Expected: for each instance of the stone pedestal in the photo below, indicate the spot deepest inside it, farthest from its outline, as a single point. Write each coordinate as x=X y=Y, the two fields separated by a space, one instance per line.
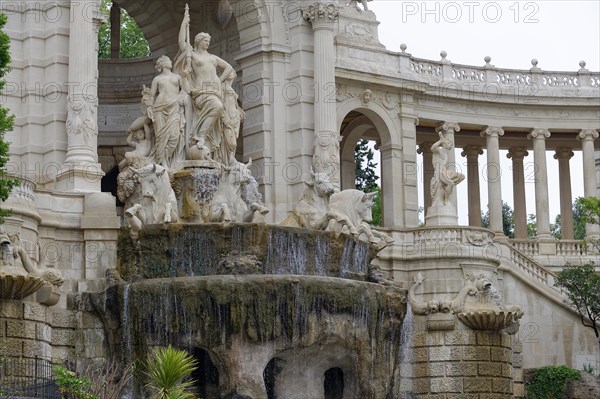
x=441 y=215
x=462 y=363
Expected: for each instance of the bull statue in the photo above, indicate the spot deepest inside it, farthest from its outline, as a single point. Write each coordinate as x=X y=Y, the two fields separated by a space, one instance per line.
x=311 y=210
x=350 y=213
x=158 y=202
x=228 y=203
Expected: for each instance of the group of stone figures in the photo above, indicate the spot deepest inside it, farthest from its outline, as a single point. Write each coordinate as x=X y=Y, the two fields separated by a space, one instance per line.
x=191 y=120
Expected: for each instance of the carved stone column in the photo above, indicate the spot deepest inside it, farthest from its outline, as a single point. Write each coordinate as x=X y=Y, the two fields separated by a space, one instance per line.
x=425 y=150
x=517 y=154
x=493 y=174
x=449 y=128
x=587 y=137
x=563 y=155
x=324 y=18
x=472 y=153
x=82 y=170
x=542 y=212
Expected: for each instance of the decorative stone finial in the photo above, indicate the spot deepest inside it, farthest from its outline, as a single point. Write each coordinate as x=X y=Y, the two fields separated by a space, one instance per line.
x=403 y=47
x=487 y=59
x=534 y=63
x=444 y=54
x=582 y=67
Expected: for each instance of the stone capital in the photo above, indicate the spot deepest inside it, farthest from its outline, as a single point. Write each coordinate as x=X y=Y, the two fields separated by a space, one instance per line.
x=541 y=134
x=322 y=15
x=447 y=127
x=517 y=153
x=424 y=148
x=492 y=131
x=471 y=151
x=563 y=153
x=588 y=134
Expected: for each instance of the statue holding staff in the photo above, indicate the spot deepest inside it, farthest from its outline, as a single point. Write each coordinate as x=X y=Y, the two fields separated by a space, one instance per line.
x=199 y=71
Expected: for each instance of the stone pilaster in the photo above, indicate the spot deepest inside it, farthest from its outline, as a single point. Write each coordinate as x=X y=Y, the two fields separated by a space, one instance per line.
x=82 y=170
x=539 y=136
x=517 y=154
x=563 y=155
x=493 y=173
x=425 y=150
x=324 y=18
x=587 y=137
x=472 y=153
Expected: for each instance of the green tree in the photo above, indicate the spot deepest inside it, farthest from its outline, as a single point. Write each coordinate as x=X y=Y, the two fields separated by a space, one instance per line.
x=531 y=226
x=6 y=120
x=590 y=214
x=133 y=42
x=583 y=290
x=366 y=176
x=168 y=370
x=508 y=220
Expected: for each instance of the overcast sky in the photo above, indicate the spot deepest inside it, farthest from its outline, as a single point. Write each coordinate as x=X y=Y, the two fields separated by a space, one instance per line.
x=559 y=34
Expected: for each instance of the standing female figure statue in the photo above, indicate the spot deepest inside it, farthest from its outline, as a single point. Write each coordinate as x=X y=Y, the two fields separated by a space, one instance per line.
x=167 y=114
x=199 y=70
x=444 y=179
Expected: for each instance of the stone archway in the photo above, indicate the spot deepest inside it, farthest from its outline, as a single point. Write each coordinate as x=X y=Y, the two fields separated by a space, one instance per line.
x=377 y=121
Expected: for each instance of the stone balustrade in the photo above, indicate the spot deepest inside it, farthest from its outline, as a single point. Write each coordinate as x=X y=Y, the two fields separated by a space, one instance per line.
x=488 y=79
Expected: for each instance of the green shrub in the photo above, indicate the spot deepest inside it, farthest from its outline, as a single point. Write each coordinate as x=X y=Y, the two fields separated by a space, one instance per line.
x=549 y=382
x=168 y=370
x=72 y=386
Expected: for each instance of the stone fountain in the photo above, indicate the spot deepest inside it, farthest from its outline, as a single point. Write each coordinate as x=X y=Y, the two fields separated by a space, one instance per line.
x=288 y=311
x=295 y=310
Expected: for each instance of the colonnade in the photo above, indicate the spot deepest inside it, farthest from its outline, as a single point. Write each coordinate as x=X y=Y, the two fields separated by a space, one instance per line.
x=517 y=154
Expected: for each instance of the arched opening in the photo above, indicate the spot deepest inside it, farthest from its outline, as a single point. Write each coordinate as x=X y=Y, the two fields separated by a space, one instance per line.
x=121 y=36
x=270 y=375
x=108 y=183
x=360 y=158
x=206 y=375
x=334 y=383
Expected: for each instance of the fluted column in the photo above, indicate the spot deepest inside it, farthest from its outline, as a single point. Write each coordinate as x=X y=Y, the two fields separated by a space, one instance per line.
x=82 y=170
x=493 y=174
x=517 y=154
x=115 y=30
x=425 y=150
x=542 y=211
x=324 y=18
x=472 y=153
x=587 y=137
x=449 y=128
x=563 y=155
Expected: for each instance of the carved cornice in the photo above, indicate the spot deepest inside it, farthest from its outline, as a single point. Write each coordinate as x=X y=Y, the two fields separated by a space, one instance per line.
x=588 y=134
x=492 y=131
x=322 y=14
x=540 y=134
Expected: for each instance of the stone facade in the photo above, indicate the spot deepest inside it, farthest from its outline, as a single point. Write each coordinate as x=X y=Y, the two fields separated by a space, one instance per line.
x=311 y=81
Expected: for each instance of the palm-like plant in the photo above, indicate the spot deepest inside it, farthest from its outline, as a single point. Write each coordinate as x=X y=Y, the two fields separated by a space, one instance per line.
x=168 y=368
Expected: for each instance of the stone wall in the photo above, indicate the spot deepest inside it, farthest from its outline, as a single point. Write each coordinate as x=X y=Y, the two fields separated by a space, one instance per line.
x=462 y=364
x=29 y=330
